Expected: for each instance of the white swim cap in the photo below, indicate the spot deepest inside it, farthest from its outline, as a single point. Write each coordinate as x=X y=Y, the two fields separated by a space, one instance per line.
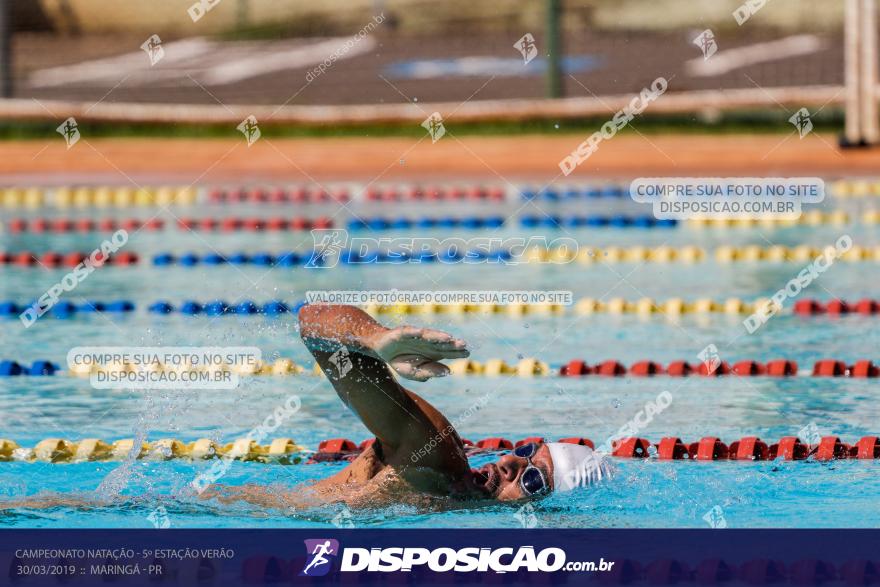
x=575 y=466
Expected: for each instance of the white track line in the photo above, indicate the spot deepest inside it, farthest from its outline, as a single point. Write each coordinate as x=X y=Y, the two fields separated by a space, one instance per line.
x=211 y=63
x=112 y=68
x=297 y=57
x=730 y=59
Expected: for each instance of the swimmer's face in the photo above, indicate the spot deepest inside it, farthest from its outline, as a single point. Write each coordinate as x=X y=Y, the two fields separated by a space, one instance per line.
x=503 y=478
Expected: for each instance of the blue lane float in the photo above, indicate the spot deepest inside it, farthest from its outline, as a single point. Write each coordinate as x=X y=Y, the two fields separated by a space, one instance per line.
x=619 y=221
x=190 y=308
x=301 y=259
x=37 y=368
x=262 y=259
x=221 y=308
x=160 y=307
x=470 y=222
x=553 y=194
x=65 y=309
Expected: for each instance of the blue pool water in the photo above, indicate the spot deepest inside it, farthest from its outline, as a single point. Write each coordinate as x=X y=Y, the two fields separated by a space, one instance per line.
x=644 y=493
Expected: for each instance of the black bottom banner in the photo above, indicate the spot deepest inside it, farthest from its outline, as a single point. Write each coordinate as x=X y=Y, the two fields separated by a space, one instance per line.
x=439 y=557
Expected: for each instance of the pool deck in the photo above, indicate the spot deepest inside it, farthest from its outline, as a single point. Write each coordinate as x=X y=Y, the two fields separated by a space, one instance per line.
x=492 y=159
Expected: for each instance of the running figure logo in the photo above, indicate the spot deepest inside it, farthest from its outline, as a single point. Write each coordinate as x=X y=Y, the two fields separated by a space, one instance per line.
x=706 y=43
x=715 y=518
x=342 y=361
x=249 y=129
x=801 y=121
x=69 y=131
x=527 y=47
x=327 y=244
x=319 y=550
x=154 y=50
x=434 y=125
x=710 y=358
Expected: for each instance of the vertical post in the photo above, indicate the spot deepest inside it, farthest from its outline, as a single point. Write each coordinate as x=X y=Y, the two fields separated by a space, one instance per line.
x=868 y=66
x=242 y=15
x=5 y=49
x=554 y=45
x=852 y=131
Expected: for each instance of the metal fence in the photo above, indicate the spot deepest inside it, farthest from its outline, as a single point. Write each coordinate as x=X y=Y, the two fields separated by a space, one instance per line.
x=391 y=61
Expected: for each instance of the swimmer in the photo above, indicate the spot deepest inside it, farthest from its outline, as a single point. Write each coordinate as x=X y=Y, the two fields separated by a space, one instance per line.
x=417 y=453
x=415 y=444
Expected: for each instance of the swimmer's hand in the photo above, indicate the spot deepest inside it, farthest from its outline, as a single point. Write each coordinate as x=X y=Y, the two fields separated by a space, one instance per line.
x=415 y=353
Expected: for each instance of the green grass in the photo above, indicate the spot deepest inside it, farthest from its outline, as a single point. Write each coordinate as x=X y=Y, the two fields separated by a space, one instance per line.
x=732 y=123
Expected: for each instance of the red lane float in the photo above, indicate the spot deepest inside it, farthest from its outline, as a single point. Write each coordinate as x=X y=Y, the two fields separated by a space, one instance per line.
x=679 y=369
x=261 y=195
x=789 y=448
x=335 y=449
x=578 y=440
x=749 y=448
x=575 y=368
x=708 y=448
x=830 y=448
x=671 y=448
x=54 y=259
x=836 y=307
x=494 y=444
x=633 y=448
x=432 y=193
x=317 y=195
x=646 y=369
x=236 y=224
x=749 y=369
x=868 y=447
x=82 y=225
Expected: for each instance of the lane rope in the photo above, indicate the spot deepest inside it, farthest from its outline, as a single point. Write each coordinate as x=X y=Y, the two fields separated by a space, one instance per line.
x=110 y=195
x=287 y=451
x=511 y=256
x=59 y=450
x=526 y=367
x=708 y=448
x=583 y=307
x=41 y=225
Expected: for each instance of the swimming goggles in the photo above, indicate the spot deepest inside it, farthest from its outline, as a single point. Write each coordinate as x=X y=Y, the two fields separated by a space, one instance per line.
x=532 y=481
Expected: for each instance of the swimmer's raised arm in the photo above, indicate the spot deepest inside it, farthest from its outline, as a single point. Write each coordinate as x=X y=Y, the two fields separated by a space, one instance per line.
x=355 y=352
x=413 y=352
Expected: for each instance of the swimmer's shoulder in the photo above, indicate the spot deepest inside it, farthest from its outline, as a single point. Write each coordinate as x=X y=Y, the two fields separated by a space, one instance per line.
x=362 y=469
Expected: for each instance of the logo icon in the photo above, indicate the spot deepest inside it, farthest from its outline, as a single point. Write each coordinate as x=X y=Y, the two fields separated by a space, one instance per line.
x=154 y=50
x=343 y=519
x=321 y=551
x=710 y=358
x=706 y=43
x=801 y=121
x=810 y=434
x=526 y=45
x=715 y=518
x=69 y=131
x=249 y=129
x=159 y=518
x=434 y=125
x=342 y=361
x=526 y=516
x=327 y=244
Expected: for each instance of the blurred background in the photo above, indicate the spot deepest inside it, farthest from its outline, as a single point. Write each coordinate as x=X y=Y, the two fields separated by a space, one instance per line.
x=260 y=52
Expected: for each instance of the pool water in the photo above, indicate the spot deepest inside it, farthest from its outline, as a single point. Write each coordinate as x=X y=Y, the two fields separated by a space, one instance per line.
x=647 y=493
